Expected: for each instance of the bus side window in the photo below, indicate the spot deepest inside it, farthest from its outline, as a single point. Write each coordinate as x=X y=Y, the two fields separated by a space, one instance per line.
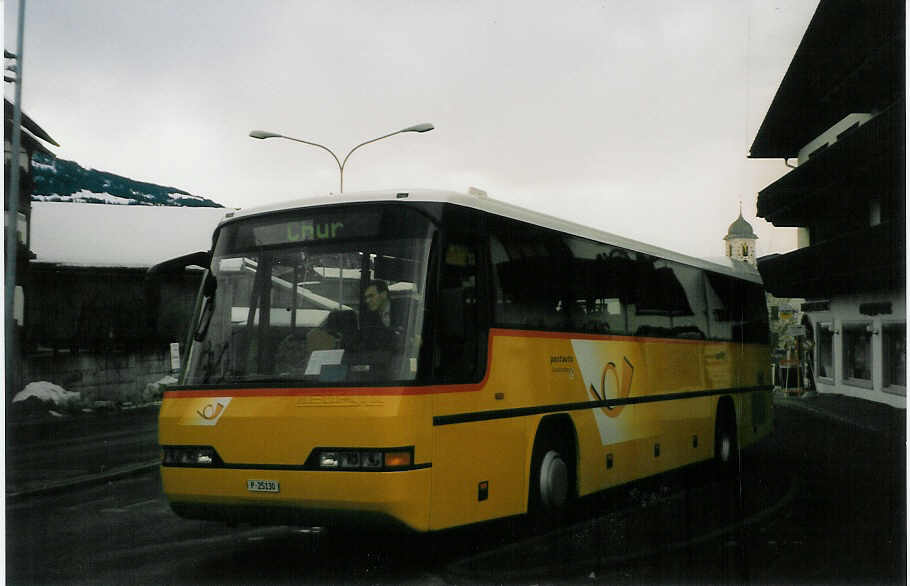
x=458 y=331
x=600 y=278
x=738 y=310
x=530 y=278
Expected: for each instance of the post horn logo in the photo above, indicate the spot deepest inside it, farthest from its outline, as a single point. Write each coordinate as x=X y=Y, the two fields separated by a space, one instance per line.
x=622 y=390
x=211 y=412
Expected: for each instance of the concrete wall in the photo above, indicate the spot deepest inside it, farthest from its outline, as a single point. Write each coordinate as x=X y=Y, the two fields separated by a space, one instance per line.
x=105 y=376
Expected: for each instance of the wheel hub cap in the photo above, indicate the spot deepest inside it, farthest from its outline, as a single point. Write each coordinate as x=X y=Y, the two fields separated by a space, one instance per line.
x=554 y=480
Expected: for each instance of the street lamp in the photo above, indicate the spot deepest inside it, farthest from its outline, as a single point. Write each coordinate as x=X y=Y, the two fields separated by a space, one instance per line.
x=262 y=134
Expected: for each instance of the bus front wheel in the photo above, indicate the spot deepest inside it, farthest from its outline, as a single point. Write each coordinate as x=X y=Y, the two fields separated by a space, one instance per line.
x=554 y=480
x=552 y=473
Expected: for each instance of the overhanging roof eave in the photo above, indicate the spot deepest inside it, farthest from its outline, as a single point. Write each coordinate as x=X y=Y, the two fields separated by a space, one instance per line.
x=850 y=59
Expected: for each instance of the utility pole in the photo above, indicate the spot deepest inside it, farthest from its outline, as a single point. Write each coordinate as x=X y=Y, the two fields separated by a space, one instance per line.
x=12 y=221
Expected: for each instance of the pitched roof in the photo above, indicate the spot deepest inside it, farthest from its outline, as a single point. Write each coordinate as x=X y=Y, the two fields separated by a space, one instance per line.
x=27 y=123
x=99 y=235
x=851 y=59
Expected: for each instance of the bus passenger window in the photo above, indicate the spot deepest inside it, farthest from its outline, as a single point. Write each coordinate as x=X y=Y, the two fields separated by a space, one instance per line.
x=600 y=282
x=530 y=277
x=737 y=309
x=456 y=360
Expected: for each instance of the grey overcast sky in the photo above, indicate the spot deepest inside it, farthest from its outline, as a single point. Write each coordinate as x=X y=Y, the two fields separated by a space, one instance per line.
x=633 y=116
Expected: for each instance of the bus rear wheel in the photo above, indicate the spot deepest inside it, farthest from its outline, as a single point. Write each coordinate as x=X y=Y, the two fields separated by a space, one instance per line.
x=726 y=446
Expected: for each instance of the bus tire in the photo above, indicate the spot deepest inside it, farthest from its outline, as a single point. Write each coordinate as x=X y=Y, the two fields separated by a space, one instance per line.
x=726 y=444
x=552 y=479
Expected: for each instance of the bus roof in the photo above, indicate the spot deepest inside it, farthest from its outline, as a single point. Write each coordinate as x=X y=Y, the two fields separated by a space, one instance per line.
x=725 y=265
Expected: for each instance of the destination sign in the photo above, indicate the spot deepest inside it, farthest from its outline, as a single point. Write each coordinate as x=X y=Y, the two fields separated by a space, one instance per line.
x=320 y=226
x=298 y=229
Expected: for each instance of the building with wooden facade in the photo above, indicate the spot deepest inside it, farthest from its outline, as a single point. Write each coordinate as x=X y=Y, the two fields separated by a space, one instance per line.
x=839 y=115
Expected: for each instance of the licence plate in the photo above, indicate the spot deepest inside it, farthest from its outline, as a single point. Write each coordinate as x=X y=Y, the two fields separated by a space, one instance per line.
x=262 y=485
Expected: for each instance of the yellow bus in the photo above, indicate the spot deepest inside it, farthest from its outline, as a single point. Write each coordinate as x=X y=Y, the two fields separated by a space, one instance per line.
x=433 y=359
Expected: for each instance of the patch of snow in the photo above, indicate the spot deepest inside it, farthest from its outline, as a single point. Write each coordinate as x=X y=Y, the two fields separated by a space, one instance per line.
x=52 y=197
x=49 y=166
x=84 y=195
x=46 y=392
x=173 y=195
x=153 y=391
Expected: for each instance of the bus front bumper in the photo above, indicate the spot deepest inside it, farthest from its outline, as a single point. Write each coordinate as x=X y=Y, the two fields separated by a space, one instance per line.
x=310 y=498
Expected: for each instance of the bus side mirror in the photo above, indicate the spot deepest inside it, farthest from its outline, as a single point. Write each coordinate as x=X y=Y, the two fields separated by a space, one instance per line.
x=155 y=275
x=175 y=265
x=451 y=314
x=205 y=317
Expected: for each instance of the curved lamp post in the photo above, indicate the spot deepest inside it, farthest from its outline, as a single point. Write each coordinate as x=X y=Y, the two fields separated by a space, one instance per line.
x=425 y=127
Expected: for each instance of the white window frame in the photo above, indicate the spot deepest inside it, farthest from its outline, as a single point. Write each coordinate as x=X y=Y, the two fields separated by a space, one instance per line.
x=829 y=326
x=891 y=389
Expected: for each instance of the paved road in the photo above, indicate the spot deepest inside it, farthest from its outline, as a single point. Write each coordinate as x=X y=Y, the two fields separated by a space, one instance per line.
x=822 y=502
x=46 y=456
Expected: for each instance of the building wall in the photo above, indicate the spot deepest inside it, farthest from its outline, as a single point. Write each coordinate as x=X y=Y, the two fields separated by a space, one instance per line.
x=102 y=309
x=119 y=377
x=101 y=331
x=851 y=348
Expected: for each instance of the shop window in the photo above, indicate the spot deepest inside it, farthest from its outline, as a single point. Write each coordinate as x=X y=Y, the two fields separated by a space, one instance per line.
x=825 y=337
x=857 y=353
x=894 y=347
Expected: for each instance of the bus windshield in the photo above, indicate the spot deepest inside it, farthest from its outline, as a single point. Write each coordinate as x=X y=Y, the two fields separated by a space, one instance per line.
x=315 y=297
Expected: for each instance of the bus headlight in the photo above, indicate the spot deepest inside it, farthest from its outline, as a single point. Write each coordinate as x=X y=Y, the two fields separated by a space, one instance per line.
x=193 y=456
x=361 y=459
x=328 y=460
x=350 y=459
x=372 y=460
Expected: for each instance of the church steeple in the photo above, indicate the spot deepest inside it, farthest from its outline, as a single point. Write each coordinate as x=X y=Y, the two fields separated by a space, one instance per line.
x=740 y=240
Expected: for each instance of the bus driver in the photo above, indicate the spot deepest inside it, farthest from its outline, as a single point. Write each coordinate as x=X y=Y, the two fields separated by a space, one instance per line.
x=377 y=299
x=381 y=328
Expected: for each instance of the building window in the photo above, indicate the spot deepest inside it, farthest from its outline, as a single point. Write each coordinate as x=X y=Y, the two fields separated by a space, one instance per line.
x=825 y=339
x=894 y=347
x=19 y=305
x=22 y=228
x=857 y=353
x=875 y=212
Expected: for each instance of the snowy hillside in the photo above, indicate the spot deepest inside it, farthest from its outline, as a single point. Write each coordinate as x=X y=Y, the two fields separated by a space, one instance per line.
x=67 y=181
